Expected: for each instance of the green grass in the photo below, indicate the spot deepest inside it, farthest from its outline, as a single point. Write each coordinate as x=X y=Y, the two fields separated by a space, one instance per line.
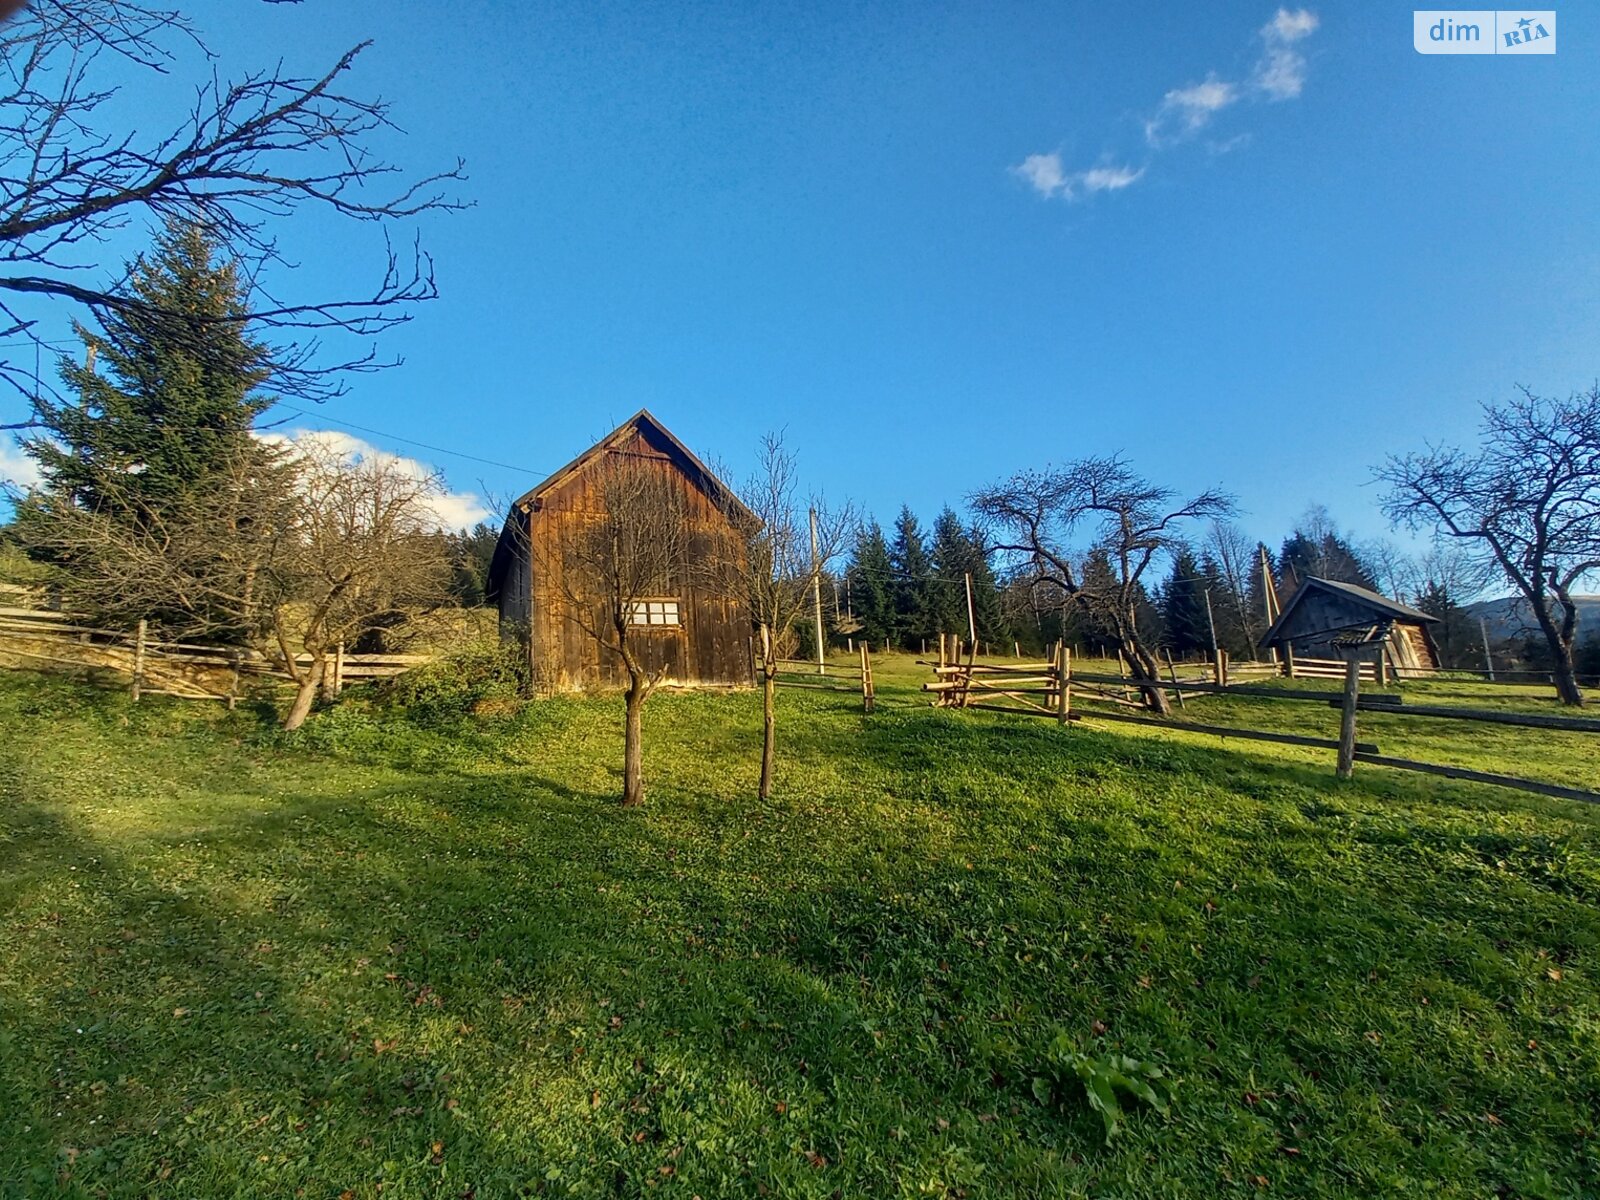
x=440 y=961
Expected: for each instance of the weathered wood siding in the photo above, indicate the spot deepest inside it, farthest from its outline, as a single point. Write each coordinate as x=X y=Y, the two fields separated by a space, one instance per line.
x=710 y=647
x=1319 y=616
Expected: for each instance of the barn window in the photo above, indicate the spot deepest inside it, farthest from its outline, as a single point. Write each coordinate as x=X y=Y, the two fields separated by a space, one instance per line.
x=655 y=612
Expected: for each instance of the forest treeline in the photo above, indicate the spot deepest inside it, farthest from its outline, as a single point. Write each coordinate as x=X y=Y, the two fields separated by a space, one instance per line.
x=904 y=586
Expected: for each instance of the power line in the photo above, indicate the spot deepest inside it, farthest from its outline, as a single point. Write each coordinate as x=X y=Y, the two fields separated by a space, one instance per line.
x=395 y=437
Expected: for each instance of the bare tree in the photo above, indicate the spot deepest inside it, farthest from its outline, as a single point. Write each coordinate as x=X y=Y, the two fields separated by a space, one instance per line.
x=1131 y=522
x=362 y=552
x=1526 y=500
x=289 y=551
x=776 y=568
x=202 y=569
x=1235 y=556
x=243 y=155
x=1397 y=573
x=602 y=565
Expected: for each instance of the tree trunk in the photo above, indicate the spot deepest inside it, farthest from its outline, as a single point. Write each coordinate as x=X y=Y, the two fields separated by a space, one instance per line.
x=1566 y=677
x=1147 y=673
x=305 y=692
x=633 y=746
x=1563 y=670
x=769 y=731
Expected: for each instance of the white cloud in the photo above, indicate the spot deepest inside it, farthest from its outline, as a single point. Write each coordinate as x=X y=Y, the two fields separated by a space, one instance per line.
x=16 y=468
x=1044 y=173
x=1289 y=26
x=1186 y=111
x=1281 y=71
x=1048 y=176
x=1108 y=179
x=452 y=510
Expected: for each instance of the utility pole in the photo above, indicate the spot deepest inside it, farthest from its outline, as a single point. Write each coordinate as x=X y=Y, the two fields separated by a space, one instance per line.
x=1488 y=657
x=816 y=595
x=972 y=620
x=1211 y=621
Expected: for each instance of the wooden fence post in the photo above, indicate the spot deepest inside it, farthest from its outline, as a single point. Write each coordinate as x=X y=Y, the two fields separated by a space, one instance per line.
x=1288 y=659
x=1173 y=671
x=1347 y=717
x=338 y=669
x=233 y=680
x=1063 y=683
x=138 y=659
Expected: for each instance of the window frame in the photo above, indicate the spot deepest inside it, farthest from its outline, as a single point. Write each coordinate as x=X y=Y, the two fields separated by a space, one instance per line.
x=653 y=606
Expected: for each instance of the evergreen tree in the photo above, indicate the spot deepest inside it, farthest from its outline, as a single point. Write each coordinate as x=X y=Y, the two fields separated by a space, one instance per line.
x=1183 y=608
x=993 y=624
x=913 y=583
x=1227 y=611
x=175 y=389
x=1256 y=594
x=1317 y=548
x=952 y=555
x=470 y=553
x=1457 y=636
x=871 y=581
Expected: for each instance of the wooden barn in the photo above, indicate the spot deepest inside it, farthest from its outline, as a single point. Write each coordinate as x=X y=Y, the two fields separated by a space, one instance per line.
x=700 y=638
x=1322 y=609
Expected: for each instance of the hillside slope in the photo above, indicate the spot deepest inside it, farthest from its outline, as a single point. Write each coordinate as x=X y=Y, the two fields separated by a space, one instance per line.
x=439 y=958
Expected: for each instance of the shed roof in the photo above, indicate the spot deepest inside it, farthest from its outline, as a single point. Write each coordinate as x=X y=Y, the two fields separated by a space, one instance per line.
x=1382 y=606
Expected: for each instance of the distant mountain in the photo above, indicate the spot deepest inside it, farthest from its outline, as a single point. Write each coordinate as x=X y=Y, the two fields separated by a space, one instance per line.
x=1510 y=618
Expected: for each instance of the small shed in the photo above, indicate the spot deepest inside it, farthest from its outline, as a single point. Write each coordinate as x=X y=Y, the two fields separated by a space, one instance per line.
x=697 y=637
x=1322 y=610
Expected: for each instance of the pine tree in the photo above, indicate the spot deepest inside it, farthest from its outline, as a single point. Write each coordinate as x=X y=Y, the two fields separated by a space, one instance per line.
x=993 y=626
x=1456 y=635
x=1183 y=608
x=1256 y=594
x=952 y=556
x=871 y=583
x=171 y=399
x=1317 y=548
x=913 y=584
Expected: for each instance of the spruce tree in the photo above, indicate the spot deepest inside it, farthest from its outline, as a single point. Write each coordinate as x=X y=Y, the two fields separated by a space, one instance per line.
x=871 y=577
x=1256 y=594
x=913 y=584
x=1457 y=636
x=173 y=393
x=952 y=559
x=993 y=625
x=1183 y=608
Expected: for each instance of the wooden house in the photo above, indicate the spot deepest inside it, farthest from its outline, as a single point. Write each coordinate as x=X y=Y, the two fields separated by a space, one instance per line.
x=1322 y=611
x=698 y=637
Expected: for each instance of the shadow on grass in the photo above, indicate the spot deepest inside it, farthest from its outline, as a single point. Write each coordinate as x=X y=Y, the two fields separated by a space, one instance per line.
x=327 y=976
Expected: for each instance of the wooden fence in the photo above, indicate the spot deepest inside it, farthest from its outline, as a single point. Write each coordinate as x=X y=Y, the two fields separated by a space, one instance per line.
x=1046 y=689
x=189 y=671
x=828 y=677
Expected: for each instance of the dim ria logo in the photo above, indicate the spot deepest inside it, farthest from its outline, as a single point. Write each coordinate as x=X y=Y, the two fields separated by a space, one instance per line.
x=1484 y=31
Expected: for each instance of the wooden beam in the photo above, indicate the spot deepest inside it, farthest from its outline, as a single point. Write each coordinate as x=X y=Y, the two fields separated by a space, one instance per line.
x=1528 y=720
x=1462 y=773
x=1226 y=731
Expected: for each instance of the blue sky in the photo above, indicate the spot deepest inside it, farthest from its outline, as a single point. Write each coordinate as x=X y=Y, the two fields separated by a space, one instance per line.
x=1245 y=245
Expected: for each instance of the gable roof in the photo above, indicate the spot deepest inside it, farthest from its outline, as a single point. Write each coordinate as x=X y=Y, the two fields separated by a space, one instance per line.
x=640 y=420
x=644 y=419
x=1381 y=606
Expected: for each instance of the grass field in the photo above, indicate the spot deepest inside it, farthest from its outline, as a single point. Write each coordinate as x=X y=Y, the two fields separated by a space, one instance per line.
x=395 y=956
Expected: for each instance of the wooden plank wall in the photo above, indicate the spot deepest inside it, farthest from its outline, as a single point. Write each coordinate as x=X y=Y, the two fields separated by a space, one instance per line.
x=711 y=646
